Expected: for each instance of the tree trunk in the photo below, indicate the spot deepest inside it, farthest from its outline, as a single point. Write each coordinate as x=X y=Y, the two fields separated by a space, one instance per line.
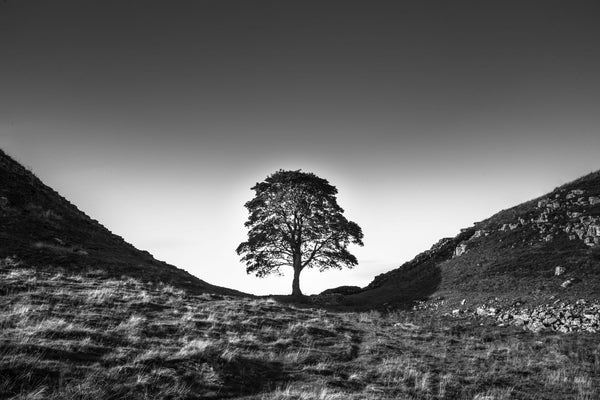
x=296 y=283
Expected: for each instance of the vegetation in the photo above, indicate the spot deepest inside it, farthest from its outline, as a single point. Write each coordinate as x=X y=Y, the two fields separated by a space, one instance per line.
x=295 y=221
x=90 y=336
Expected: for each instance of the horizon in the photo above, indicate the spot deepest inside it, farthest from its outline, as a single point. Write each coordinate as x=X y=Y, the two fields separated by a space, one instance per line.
x=426 y=119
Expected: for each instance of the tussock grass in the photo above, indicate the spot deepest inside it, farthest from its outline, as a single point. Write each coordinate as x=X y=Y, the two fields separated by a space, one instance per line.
x=87 y=336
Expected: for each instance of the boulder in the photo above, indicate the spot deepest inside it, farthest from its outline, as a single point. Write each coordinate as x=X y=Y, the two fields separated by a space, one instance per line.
x=558 y=271
x=567 y=283
x=460 y=250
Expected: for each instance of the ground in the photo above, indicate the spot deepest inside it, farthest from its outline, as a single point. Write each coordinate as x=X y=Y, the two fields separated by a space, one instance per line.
x=89 y=336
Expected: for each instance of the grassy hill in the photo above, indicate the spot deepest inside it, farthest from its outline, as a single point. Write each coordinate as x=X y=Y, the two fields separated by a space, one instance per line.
x=84 y=315
x=90 y=336
x=510 y=257
x=43 y=229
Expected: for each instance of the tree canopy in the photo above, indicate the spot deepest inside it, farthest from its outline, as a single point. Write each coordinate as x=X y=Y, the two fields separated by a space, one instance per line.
x=295 y=221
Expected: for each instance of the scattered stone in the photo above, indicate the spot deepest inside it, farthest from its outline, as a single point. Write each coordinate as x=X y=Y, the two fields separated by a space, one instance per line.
x=567 y=283
x=460 y=250
x=593 y=230
x=479 y=233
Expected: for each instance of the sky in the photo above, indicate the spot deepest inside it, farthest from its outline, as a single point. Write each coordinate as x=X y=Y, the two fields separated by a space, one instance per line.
x=157 y=117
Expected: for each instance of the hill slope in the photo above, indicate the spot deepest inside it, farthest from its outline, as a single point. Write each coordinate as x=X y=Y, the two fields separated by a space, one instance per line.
x=543 y=249
x=41 y=228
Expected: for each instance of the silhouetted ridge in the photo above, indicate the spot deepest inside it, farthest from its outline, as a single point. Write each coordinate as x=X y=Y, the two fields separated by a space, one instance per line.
x=42 y=228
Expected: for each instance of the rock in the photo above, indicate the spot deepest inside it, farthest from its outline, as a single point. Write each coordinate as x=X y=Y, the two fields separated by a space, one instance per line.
x=594 y=200
x=513 y=226
x=536 y=326
x=463 y=301
x=478 y=233
x=460 y=250
x=593 y=230
x=576 y=192
x=456 y=312
x=567 y=283
x=555 y=205
x=558 y=271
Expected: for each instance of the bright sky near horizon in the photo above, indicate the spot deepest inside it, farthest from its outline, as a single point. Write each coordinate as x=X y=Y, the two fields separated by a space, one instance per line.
x=156 y=117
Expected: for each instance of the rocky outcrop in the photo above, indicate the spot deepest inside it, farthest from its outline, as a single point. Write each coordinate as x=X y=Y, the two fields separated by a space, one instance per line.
x=565 y=212
x=460 y=250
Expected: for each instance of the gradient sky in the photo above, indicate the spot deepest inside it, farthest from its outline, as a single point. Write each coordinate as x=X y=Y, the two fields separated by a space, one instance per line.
x=156 y=117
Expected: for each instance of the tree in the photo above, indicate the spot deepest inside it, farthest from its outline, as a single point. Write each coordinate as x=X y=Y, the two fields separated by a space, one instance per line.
x=295 y=221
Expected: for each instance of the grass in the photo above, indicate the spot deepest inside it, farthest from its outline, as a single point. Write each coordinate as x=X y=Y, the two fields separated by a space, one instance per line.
x=88 y=336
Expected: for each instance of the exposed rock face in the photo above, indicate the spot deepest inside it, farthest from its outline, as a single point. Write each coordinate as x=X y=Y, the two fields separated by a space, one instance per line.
x=460 y=250
x=479 y=233
x=566 y=212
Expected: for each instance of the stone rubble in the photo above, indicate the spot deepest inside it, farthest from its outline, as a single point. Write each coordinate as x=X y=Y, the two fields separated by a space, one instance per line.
x=561 y=317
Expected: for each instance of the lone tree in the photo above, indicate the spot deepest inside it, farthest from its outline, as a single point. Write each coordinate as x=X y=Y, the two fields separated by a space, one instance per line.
x=295 y=221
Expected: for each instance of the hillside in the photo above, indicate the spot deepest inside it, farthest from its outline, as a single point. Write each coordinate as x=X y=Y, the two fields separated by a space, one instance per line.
x=85 y=315
x=546 y=249
x=41 y=228
x=86 y=336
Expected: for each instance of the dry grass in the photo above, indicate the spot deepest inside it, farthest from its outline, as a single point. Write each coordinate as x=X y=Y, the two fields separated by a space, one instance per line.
x=89 y=337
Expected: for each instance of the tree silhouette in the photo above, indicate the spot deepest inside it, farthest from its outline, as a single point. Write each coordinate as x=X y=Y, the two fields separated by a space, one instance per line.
x=295 y=221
